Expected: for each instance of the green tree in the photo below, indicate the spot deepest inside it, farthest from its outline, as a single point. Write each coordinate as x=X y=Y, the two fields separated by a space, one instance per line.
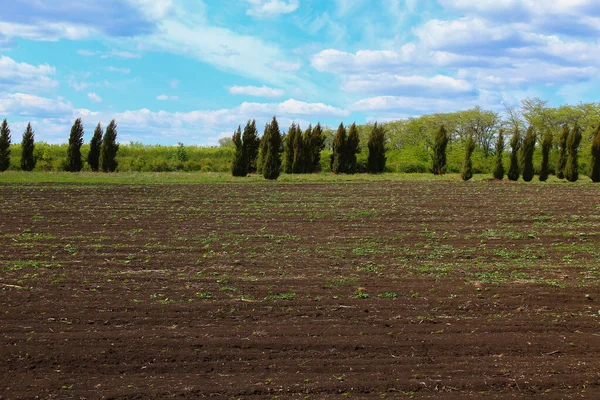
x=352 y=149
x=515 y=145
x=562 y=152
x=27 y=148
x=527 y=154
x=272 y=163
x=498 y=163
x=376 y=145
x=74 y=161
x=572 y=167
x=595 y=167
x=109 y=149
x=5 y=142
x=93 y=158
x=546 y=147
x=466 y=172
x=289 y=140
x=439 y=151
x=338 y=156
x=299 y=160
x=239 y=165
x=316 y=140
x=262 y=153
x=251 y=144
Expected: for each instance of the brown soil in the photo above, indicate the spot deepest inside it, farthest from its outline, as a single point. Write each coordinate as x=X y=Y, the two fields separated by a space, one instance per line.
x=477 y=290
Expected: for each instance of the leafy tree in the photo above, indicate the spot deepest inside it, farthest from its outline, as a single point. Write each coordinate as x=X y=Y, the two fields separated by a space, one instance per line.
x=251 y=145
x=527 y=154
x=27 y=148
x=338 y=157
x=439 y=151
x=352 y=149
x=95 y=146
x=239 y=165
x=376 y=145
x=5 y=142
x=546 y=147
x=299 y=161
x=74 y=161
x=466 y=172
x=515 y=145
x=181 y=153
x=562 y=152
x=572 y=167
x=109 y=149
x=290 y=138
x=316 y=140
x=498 y=164
x=272 y=165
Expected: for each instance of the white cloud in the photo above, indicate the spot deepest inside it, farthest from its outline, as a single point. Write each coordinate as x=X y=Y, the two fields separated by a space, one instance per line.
x=263 y=91
x=121 y=54
x=33 y=106
x=174 y=83
x=406 y=85
x=164 y=97
x=332 y=60
x=411 y=105
x=153 y=9
x=269 y=8
x=87 y=53
x=94 y=97
x=119 y=70
x=286 y=66
x=46 y=31
x=15 y=76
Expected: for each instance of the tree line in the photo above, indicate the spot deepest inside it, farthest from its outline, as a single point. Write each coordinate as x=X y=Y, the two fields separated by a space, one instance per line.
x=299 y=152
x=102 y=154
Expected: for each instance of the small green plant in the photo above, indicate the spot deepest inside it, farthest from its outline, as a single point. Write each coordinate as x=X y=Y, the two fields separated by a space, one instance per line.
x=204 y=295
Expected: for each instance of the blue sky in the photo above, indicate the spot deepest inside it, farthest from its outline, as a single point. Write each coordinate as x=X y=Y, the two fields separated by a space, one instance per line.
x=193 y=70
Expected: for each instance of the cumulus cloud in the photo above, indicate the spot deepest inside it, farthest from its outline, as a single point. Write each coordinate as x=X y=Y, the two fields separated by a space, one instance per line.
x=94 y=97
x=269 y=8
x=262 y=91
x=407 y=85
x=19 y=76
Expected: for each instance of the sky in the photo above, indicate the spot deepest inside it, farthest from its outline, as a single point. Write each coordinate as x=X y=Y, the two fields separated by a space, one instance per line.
x=191 y=71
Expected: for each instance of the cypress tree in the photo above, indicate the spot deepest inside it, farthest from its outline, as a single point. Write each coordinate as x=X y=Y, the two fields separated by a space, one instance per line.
x=498 y=164
x=572 y=167
x=272 y=164
x=546 y=146
x=251 y=145
x=338 y=156
x=466 y=172
x=239 y=165
x=595 y=167
x=439 y=152
x=562 y=152
x=5 y=142
x=109 y=149
x=352 y=149
x=527 y=154
x=290 y=138
x=376 y=144
x=74 y=161
x=316 y=139
x=515 y=145
x=262 y=154
x=299 y=160
x=27 y=148
x=95 y=146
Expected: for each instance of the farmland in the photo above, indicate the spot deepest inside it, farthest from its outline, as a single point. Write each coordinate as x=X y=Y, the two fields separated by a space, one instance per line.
x=398 y=288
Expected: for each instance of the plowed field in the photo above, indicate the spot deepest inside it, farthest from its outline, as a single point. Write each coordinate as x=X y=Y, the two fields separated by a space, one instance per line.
x=361 y=290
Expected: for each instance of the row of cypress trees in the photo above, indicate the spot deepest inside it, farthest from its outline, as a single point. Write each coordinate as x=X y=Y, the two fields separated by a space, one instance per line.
x=103 y=148
x=521 y=156
x=302 y=150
